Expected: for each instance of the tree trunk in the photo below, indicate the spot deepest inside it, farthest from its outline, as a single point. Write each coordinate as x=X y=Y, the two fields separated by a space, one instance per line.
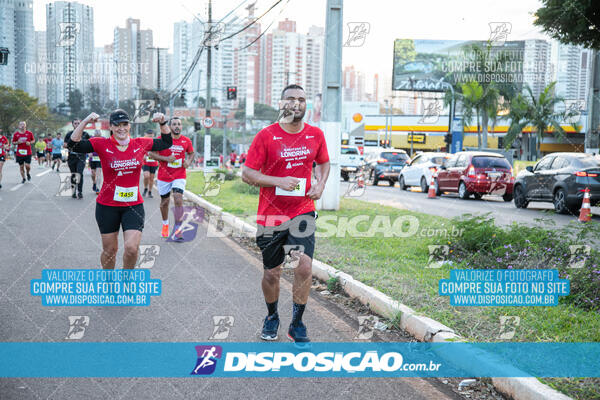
x=538 y=143
x=478 y=131
x=484 y=128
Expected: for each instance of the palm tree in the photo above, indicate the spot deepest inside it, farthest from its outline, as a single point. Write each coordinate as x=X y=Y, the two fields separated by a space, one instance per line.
x=540 y=113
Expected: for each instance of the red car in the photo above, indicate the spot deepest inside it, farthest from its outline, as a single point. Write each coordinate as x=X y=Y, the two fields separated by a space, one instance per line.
x=476 y=173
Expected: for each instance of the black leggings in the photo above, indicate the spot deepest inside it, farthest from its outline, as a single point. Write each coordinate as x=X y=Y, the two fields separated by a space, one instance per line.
x=76 y=165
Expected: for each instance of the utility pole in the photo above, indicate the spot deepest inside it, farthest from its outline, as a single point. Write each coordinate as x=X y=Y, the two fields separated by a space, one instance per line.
x=593 y=123
x=209 y=62
x=332 y=101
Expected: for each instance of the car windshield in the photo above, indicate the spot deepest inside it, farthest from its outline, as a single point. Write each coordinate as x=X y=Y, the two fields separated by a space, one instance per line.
x=438 y=160
x=589 y=162
x=490 y=162
x=393 y=156
x=349 y=150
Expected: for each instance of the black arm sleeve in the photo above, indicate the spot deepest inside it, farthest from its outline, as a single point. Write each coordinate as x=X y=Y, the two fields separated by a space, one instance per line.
x=165 y=141
x=83 y=146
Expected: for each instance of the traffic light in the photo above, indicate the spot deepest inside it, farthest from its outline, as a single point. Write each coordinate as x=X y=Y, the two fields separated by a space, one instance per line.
x=231 y=92
x=448 y=139
x=183 y=94
x=197 y=126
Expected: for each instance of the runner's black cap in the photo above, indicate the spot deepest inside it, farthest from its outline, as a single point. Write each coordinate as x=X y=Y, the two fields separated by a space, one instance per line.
x=118 y=116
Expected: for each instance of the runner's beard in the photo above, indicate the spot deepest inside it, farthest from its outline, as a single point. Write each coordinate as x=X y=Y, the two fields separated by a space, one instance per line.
x=299 y=117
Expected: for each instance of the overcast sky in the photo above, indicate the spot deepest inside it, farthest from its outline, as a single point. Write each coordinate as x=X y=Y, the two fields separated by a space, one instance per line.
x=388 y=20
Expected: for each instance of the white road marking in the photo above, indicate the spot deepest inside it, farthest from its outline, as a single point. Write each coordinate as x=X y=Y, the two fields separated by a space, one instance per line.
x=44 y=173
x=16 y=187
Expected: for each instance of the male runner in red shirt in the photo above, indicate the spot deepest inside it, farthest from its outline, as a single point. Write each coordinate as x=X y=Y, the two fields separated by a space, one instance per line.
x=172 y=175
x=23 y=139
x=120 y=203
x=280 y=161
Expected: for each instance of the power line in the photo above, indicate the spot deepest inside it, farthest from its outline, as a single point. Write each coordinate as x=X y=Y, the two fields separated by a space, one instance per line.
x=265 y=31
x=254 y=21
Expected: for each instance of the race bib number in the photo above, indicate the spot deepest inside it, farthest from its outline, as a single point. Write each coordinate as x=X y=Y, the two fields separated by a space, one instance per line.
x=23 y=152
x=95 y=158
x=299 y=190
x=125 y=194
x=176 y=164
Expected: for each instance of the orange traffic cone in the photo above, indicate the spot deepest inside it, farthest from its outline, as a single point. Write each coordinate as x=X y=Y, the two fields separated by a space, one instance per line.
x=431 y=193
x=585 y=214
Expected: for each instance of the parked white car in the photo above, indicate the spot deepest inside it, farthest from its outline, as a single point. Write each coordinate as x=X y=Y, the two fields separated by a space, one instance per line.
x=420 y=170
x=350 y=161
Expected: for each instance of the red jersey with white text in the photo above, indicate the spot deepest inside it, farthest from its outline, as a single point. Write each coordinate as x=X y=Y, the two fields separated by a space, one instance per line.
x=3 y=142
x=277 y=153
x=150 y=162
x=48 y=144
x=121 y=170
x=19 y=138
x=168 y=172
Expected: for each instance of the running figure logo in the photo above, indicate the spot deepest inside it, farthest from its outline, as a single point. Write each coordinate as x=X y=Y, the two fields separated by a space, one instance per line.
x=192 y=217
x=148 y=254
x=222 y=326
x=77 y=325
x=65 y=188
x=207 y=359
x=508 y=326
x=68 y=33
x=366 y=326
x=212 y=185
x=437 y=255
x=431 y=111
x=579 y=255
x=358 y=32
x=499 y=32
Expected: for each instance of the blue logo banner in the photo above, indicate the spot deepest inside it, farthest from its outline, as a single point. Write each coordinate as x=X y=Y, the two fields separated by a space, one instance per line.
x=274 y=360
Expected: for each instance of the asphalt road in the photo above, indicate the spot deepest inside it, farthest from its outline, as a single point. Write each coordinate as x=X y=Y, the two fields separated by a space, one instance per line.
x=201 y=279
x=449 y=205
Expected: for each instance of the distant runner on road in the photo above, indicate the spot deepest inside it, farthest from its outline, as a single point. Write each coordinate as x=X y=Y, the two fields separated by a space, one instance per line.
x=4 y=146
x=149 y=167
x=95 y=166
x=280 y=161
x=120 y=203
x=23 y=139
x=76 y=162
x=172 y=176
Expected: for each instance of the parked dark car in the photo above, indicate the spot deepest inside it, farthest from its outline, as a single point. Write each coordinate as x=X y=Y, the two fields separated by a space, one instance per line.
x=476 y=173
x=385 y=165
x=560 y=178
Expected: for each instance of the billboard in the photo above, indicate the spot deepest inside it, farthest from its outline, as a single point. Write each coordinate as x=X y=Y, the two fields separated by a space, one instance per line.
x=427 y=65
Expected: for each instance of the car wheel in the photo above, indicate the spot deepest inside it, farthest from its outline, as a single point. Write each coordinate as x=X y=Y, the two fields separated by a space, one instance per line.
x=438 y=192
x=560 y=201
x=477 y=196
x=392 y=182
x=424 y=186
x=463 y=193
x=507 y=196
x=401 y=183
x=345 y=177
x=519 y=196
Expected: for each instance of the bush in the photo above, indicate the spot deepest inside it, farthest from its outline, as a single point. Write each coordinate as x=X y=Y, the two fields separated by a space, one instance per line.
x=242 y=187
x=229 y=175
x=483 y=245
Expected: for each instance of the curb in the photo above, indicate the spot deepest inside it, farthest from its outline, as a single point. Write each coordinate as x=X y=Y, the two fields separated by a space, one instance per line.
x=422 y=328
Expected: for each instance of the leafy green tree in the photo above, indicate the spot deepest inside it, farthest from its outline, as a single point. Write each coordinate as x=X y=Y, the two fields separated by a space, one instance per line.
x=16 y=105
x=575 y=22
x=537 y=112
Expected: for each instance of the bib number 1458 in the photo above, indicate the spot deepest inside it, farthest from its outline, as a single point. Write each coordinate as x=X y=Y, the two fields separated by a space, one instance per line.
x=125 y=194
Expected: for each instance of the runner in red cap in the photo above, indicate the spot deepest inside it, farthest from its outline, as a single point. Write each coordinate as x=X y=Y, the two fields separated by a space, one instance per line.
x=120 y=203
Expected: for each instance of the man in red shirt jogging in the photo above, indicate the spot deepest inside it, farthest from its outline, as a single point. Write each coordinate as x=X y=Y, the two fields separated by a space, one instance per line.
x=23 y=139
x=280 y=161
x=172 y=176
x=120 y=203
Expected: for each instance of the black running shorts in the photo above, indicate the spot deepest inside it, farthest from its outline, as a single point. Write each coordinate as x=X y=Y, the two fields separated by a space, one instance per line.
x=150 y=168
x=110 y=218
x=23 y=159
x=277 y=241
